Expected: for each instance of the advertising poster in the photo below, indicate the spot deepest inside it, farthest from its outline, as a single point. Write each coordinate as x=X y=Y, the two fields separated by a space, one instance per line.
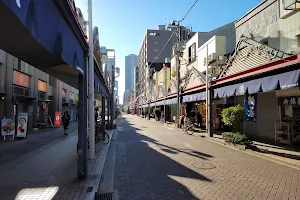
x=57 y=119
x=22 y=125
x=8 y=127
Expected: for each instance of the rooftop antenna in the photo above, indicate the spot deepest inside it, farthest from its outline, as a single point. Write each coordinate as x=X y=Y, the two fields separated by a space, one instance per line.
x=165 y=20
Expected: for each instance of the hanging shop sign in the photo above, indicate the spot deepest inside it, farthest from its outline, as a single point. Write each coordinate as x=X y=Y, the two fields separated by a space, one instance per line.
x=71 y=95
x=57 y=119
x=42 y=86
x=22 y=125
x=21 y=79
x=289 y=101
x=8 y=127
x=250 y=107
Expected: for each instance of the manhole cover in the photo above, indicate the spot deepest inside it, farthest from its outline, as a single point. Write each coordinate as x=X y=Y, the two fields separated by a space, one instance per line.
x=203 y=166
x=105 y=196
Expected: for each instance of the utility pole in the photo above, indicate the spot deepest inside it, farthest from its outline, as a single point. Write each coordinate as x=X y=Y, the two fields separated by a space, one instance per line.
x=165 y=91
x=178 y=51
x=91 y=85
x=112 y=102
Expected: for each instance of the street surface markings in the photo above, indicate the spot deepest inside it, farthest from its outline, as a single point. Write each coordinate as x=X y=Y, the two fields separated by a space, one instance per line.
x=119 y=128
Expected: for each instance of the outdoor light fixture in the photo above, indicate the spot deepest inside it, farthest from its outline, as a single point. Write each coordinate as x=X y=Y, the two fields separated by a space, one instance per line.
x=2 y=98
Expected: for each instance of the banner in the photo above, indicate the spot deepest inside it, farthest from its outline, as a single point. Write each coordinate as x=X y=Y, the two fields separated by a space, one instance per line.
x=289 y=100
x=22 y=125
x=57 y=119
x=250 y=107
x=8 y=127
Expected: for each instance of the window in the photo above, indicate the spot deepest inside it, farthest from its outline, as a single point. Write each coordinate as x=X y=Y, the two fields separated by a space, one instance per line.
x=153 y=34
x=298 y=40
x=192 y=53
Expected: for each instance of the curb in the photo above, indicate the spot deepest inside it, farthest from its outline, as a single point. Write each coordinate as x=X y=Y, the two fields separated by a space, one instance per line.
x=104 y=151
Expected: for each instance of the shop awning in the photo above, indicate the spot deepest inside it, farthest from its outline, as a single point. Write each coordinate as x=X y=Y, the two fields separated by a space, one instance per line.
x=37 y=32
x=194 y=97
x=284 y=80
x=100 y=87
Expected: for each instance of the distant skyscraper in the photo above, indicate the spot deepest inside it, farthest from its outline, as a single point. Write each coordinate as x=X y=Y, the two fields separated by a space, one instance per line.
x=131 y=61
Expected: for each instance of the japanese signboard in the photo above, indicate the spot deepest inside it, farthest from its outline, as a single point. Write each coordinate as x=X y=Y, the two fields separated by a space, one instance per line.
x=57 y=119
x=22 y=125
x=7 y=127
x=289 y=101
x=42 y=86
x=250 y=107
x=21 y=79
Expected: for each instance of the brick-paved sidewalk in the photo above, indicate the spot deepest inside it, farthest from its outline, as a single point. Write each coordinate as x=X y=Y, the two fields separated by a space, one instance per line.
x=49 y=172
x=283 y=155
x=13 y=149
x=153 y=162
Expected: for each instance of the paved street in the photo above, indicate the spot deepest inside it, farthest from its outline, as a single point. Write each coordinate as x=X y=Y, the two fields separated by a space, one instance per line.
x=46 y=170
x=156 y=162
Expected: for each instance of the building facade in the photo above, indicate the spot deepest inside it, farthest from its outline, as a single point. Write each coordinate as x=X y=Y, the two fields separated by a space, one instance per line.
x=156 y=42
x=131 y=61
x=24 y=88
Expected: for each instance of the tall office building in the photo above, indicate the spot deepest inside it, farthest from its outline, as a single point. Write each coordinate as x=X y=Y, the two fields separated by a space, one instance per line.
x=156 y=47
x=131 y=61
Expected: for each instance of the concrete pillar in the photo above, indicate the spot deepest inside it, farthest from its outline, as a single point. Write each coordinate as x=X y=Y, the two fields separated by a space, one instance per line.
x=82 y=129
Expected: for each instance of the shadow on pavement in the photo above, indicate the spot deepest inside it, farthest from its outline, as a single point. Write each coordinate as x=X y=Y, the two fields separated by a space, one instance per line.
x=142 y=172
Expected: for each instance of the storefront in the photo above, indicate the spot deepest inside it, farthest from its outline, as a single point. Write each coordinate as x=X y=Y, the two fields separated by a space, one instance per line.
x=22 y=98
x=287 y=128
x=65 y=104
x=72 y=107
x=194 y=104
x=42 y=111
x=267 y=101
x=2 y=105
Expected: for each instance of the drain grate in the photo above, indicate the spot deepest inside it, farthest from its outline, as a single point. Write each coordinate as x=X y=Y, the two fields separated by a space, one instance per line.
x=105 y=196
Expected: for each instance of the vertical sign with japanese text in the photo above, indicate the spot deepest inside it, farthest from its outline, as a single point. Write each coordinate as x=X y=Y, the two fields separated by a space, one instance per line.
x=57 y=119
x=250 y=107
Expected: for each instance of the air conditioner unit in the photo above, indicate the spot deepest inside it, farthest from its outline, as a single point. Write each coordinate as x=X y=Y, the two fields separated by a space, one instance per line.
x=221 y=60
x=212 y=57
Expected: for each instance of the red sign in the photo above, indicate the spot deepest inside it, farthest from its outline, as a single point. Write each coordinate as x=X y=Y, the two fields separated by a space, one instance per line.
x=21 y=79
x=57 y=119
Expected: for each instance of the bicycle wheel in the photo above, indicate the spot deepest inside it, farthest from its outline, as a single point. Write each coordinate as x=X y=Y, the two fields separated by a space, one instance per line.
x=190 y=130
x=106 y=138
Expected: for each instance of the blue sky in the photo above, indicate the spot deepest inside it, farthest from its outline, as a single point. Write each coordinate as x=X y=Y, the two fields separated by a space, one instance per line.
x=123 y=23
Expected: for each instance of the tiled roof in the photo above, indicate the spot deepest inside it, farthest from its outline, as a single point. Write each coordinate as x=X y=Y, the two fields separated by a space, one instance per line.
x=249 y=54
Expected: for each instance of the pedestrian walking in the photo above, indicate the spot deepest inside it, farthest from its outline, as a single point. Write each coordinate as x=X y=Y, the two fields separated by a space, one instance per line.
x=66 y=121
x=199 y=119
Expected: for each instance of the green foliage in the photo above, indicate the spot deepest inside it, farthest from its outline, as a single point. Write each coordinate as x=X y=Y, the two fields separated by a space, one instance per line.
x=234 y=118
x=236 y=138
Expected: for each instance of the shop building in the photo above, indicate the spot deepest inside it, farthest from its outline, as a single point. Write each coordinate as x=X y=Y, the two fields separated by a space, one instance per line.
x=262 y=74
x=24 y=88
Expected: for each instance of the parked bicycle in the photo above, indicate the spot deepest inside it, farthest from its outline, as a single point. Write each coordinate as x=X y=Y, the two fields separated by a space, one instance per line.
x=101 y=134
x=189 y=127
